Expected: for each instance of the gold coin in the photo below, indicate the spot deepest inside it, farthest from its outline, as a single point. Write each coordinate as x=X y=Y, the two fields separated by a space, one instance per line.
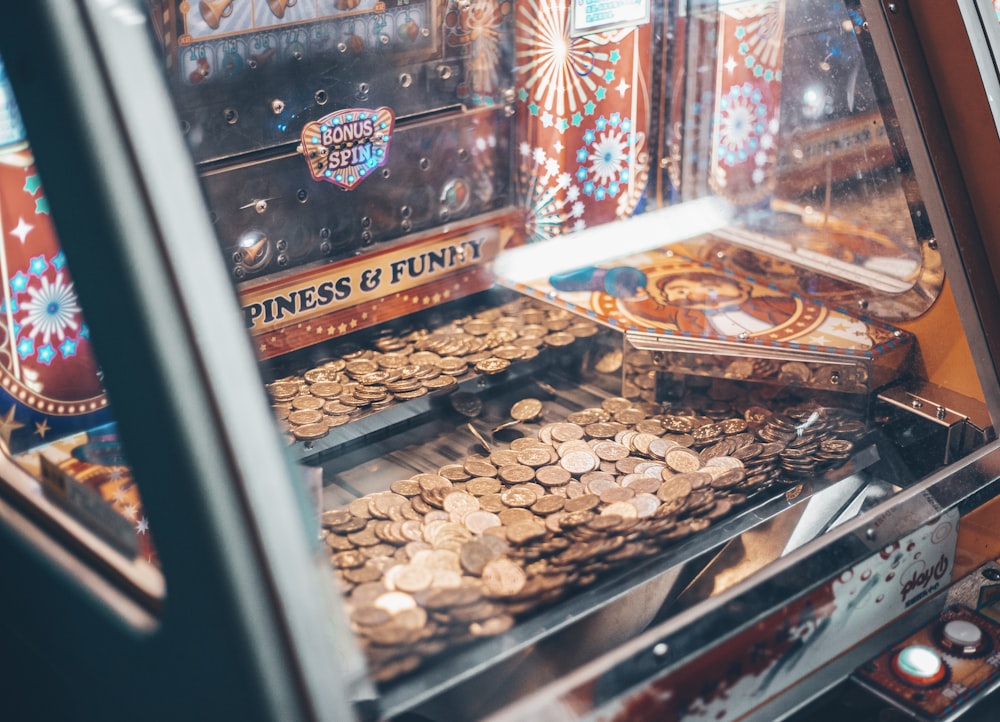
x=305 y=401
x=525 y=532
x=461 y=503
x=479 y=521
x=564 y=431
x=518 y=496
x=503 y=578
x=305 y=416
x=534 y=457
x=526 y=409
x=283 y=390
x=326 y=389
x=492 y=365
x=361 y=366
x=516 y=473
x=579 y=462
x=621 y=509
x=552 y=476
x=310 y=432
x=682 y=459
x=482 y=485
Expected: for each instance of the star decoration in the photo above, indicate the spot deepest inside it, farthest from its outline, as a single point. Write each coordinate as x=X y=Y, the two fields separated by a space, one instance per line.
x=38 y=265
x=601 y=92
x=42 y=206
x=25 y=347
x=622 y=87
x=32 y=183
x=8 y=426
x=19 y=282
x=46 y=353
x=21 y=230
x=42 y=427
x=589 y=108
x=576 y=119
x=142 y=526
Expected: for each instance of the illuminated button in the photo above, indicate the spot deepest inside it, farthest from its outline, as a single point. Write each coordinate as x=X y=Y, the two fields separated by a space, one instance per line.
x=962 y=636
x=920 y=666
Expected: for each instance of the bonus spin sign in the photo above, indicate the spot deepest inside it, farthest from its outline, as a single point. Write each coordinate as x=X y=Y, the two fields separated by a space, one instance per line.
x=347 y=146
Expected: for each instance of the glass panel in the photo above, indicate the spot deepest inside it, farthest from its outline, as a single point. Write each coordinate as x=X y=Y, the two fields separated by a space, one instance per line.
x=560 y=300
x=61 y=454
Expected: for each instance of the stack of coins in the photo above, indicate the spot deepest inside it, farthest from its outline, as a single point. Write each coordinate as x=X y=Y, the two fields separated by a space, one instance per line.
x=443 y=558
x=401 y=366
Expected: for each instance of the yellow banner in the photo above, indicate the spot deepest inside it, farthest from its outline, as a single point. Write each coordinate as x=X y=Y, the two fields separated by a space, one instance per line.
x=341 y=285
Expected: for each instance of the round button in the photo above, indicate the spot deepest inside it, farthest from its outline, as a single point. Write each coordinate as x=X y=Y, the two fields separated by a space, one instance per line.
x=962 y=636
x=919 y=665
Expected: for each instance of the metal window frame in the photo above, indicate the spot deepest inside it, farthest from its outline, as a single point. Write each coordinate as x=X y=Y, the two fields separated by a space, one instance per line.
x=246 y=629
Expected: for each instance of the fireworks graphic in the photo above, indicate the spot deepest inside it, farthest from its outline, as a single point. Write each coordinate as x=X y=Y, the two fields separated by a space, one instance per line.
x=559 y=75
x=606 y=158
x=760 y=38
x=551 y=199
x=51 y=309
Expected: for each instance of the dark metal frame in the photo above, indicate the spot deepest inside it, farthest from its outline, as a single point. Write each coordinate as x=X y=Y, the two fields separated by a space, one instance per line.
x=245 y=630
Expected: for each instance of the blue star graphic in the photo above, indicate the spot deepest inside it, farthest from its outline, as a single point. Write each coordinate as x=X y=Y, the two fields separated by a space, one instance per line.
x=602 y=123
x=32 y=183
x=84 y=331
x=588 y=187
x=562 y=124
x=615 y=56
x=601 y=93
x=522 y=94
x=68 y=347
x=615 y=119
x=589 y=136
x=38 y=265
x=609 y=75
x=533 y=108
x=25 y=347
x=59 y=260
x=577 y=119
x=581 y=155
x=46 y=353
x=589 y=108
x=600 y=194
x=42 y=206
x=19 y=282
x=581 y=175
x=613 y=188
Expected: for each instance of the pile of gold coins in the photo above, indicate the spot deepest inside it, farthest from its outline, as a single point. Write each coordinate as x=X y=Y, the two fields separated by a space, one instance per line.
x=444 y=558
x=412 y=364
